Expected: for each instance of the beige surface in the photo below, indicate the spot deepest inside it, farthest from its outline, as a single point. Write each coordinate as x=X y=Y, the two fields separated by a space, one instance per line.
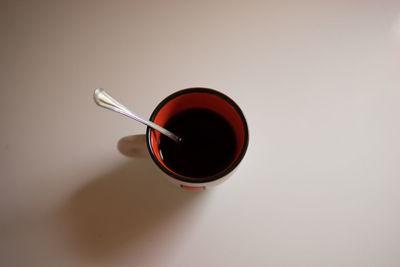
x=318 y=82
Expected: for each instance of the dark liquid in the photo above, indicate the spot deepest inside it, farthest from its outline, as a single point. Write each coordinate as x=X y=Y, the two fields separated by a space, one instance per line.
x=208 y=143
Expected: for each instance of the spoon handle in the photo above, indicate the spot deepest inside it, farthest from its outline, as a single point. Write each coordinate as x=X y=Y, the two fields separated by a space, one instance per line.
x=106 y=101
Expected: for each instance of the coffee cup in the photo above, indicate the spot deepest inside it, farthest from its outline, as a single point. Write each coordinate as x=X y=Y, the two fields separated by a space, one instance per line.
x=214 y=138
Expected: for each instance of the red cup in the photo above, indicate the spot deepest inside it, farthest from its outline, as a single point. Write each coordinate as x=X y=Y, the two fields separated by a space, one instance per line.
x=198 y=98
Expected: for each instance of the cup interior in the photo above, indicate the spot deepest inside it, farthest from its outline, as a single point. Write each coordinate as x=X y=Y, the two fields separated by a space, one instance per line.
x=198 y=98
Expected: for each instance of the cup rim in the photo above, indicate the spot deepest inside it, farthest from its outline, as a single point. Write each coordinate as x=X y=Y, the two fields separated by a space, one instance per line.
x=208 y=178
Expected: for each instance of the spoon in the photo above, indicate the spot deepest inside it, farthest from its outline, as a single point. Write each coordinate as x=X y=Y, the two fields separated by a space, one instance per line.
x=104 y=100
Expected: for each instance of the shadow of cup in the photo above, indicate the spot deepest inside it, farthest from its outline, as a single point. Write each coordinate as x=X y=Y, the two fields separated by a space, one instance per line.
x=120 y=208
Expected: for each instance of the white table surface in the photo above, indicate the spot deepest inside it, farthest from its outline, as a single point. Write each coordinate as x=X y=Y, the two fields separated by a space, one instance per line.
x=318 y=82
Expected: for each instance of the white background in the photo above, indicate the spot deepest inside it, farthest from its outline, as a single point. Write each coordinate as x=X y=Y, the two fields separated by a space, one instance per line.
x=318 y=82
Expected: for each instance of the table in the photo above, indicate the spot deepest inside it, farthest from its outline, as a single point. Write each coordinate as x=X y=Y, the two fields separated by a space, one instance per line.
x=318 y=82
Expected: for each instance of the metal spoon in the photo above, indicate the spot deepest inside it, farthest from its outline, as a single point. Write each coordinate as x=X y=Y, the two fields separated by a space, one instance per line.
x=106 y=101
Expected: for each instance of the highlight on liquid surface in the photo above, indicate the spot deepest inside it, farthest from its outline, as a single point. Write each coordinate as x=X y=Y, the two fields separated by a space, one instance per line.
x=208 y=143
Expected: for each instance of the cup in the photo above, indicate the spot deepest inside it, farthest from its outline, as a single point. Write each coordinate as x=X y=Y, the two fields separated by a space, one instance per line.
x=191 y=104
